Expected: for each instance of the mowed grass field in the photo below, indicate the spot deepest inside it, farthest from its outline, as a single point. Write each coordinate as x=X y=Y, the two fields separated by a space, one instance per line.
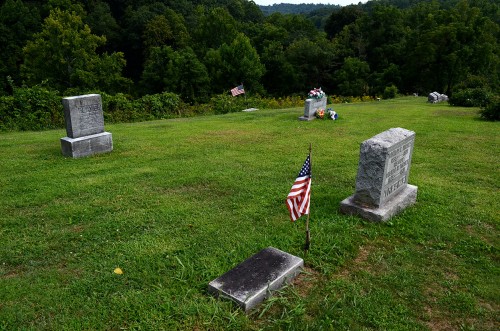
x=179 y=202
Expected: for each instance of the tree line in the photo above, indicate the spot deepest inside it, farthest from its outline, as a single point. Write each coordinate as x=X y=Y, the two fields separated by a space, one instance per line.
x=200 y=48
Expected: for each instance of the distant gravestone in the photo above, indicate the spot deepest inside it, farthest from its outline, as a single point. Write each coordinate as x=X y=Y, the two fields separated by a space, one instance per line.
x=253 y=280
x=382 y=188
x=436 y=97
x=311 y=106
x=85 y=127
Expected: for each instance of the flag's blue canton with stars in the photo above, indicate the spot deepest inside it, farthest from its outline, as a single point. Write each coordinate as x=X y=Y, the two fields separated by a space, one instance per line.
x=299 y=198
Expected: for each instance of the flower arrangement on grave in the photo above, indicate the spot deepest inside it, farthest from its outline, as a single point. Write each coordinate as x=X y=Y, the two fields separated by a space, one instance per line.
x=328 y=114
x=320 y=113
x=316 y=93
x=332 y=114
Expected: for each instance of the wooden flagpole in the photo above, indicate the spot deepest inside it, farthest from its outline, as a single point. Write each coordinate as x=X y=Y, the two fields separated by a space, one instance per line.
x=308 y=233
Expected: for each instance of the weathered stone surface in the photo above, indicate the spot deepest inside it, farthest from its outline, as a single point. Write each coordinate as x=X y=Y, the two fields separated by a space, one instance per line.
x=83 y=115
x=384 y=165
x=436 y=97
x=405 y=198
x=253 y=280
x=85 y=127
x=311 y=106
x=383 y=171
x=87 y=146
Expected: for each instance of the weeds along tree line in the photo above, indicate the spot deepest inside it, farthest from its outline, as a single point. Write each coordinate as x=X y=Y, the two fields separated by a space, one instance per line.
x=141 y=53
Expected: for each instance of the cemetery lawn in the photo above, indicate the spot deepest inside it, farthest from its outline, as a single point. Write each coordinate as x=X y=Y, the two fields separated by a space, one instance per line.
x=179 y=202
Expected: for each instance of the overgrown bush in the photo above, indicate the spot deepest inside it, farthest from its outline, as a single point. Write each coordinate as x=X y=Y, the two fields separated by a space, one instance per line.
x=118 y=108
x=7 y=121
x=470 y=97
x=38 y=108
x=491 y=111
x=156 y=106
x=122 y=108
x=224 y=103
x=33 y=108
x=390 y=92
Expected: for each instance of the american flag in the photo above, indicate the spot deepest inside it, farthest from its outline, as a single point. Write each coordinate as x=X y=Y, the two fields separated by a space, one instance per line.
x=299 y=198
x=238 y=90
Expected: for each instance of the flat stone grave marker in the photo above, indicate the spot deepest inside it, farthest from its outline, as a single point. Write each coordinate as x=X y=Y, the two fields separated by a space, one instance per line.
x=311 y=106
x=382 y=188
x=253 y=280
x=84 y=120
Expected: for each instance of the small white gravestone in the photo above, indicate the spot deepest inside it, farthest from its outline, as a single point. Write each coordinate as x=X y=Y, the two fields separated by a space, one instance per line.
x=253 y=280
x=85 y=127
x=311 y=106
x=382 y=188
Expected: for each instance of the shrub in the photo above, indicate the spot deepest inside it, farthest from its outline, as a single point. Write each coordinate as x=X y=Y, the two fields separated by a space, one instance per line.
x=118 y=108
x=121 y=107
x=224 y=103
x=390 y=92
x=491 y=111
x=156 y=106
x=7 y=121
x=470 y=97
x=34 y=108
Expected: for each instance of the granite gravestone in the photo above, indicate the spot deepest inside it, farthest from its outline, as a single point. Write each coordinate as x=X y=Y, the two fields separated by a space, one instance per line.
x=253 y=280
x=382 y=188
x=85 y=127
x=311 y=106
x=436 y=97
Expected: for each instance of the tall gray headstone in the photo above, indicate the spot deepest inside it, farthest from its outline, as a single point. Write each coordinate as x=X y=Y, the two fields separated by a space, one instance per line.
x=382 y=188
x=311 y=106
x=84 y=120
x=253 y=280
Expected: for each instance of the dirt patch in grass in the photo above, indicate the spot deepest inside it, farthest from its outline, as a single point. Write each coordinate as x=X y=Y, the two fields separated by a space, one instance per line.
x=360 y=262
x=77 y=229
x=16 y=272
x=437 y=324
x=306 y=281
x=303 y=285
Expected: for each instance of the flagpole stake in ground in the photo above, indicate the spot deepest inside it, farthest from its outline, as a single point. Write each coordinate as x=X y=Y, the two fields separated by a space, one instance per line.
x=299 y=198
x=308 y=232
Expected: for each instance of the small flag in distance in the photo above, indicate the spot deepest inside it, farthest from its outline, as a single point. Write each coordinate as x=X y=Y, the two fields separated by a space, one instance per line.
x=238 y=90
x=299 y=198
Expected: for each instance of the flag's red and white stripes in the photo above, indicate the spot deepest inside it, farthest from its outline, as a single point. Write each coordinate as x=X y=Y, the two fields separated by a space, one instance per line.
x=299 y=198
x=238 y=90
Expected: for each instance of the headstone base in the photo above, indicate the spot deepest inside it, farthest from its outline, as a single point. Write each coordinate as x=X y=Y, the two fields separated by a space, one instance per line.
x=407 y=197
x=304 y=118
x=253 y=280
x=87 y=145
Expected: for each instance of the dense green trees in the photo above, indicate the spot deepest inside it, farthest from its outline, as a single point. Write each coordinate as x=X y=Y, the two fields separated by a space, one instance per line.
x=205 y=47
x=63 y=56
x=17 y=24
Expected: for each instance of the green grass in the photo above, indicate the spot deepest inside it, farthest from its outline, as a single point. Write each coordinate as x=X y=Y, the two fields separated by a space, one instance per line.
x=179 y=202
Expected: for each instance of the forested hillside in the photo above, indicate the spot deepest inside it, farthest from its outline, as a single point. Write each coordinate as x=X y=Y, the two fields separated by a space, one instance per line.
x=201 y=48
x=288 y=8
